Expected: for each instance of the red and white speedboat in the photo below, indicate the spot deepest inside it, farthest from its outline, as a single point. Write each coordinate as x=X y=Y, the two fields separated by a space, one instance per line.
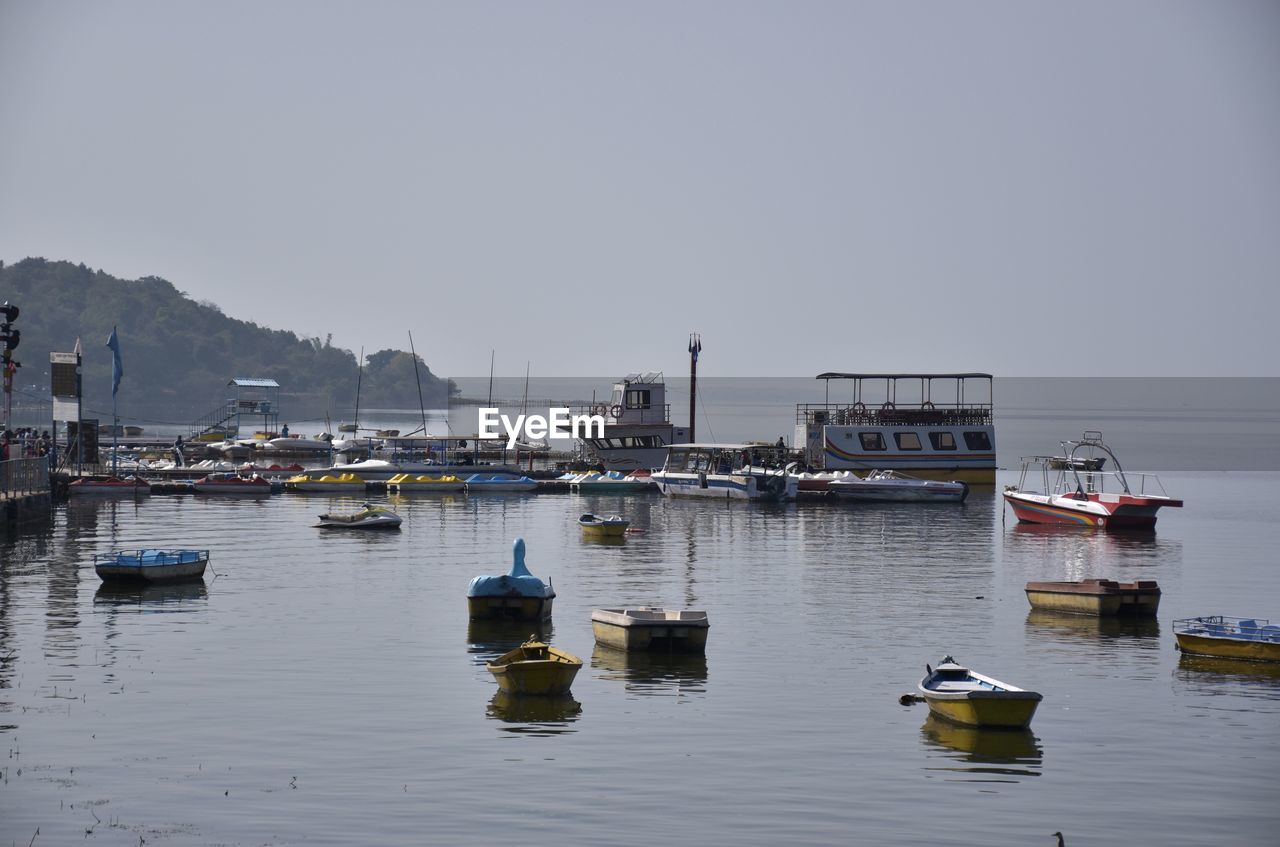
x=233 y=483
x=1074 y=494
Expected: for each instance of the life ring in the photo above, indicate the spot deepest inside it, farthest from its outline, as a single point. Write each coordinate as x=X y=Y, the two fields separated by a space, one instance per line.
x=887 y=407
x=927 y=405
x=600 y=410
x=859 y=408
x=615 y=411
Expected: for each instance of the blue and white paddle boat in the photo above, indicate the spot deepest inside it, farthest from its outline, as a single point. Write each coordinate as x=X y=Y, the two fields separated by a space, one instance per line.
x=479 y=483
x=148 y=567
x=516 y=595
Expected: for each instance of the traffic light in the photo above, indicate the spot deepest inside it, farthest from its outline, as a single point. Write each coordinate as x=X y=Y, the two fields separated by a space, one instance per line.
x=9 y=336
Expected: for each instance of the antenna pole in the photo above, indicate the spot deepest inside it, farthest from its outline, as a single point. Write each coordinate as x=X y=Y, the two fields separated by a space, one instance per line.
x=695 y=347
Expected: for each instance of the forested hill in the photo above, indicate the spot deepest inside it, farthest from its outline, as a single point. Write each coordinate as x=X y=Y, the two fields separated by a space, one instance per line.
x=179 y=354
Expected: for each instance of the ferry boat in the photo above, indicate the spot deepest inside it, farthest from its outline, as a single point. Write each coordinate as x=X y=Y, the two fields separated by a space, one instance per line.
x=638 y=428
x=914 y=424
x=1072 y=495
x=724 y=471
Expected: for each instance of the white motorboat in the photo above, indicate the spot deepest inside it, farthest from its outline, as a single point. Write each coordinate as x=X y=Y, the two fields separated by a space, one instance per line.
x=888 y=486
x=295 y=445
x=723 y=471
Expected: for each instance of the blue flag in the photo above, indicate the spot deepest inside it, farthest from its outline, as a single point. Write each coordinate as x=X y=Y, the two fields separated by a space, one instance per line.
x=117 y=366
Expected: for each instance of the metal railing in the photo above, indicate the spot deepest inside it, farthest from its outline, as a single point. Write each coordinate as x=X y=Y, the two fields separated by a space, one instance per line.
x=24 y=476
x=891 y=414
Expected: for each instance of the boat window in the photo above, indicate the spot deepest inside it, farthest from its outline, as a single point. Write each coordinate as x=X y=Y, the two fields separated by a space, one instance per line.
x=638 y=399
x=942 y=440
x=907 y=440
x=977 y=441
x=872 y=441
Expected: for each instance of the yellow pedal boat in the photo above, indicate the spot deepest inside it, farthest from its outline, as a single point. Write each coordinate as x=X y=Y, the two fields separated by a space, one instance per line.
x=405 y=483
x=327 y=483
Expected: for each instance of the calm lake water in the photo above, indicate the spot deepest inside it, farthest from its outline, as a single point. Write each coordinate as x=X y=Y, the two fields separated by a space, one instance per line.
x=328 y=688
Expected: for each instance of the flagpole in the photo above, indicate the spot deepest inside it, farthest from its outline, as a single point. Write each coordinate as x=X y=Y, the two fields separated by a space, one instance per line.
x=117 y=371
x=115 y=436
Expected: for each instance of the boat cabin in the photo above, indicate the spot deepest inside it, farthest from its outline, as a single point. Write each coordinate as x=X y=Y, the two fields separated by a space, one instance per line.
x=932 y=425
x=637 y=399
x=723 y=458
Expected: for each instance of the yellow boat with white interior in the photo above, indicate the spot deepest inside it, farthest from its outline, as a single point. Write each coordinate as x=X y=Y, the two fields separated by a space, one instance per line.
x=959 y=695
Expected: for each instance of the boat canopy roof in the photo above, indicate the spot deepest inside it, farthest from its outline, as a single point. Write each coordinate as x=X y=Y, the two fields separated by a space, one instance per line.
x=713 y=446
x=838 y=375
x=253 y=382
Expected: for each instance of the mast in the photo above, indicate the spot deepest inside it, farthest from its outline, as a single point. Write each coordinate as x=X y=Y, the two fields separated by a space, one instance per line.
x=695 y=347
x=422 y=408
x=491 y=353
x=359 y=379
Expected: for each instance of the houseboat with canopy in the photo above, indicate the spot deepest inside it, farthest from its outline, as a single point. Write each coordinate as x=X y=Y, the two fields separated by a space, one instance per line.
x=931 y=425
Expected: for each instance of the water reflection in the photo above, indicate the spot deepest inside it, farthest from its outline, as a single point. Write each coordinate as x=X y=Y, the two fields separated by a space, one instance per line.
x=1064 y=627
x=983 y=755
x=150 y=598
x=1207 y=676
x=603 y=540
x=659 y=674
x=487 y=640
x=532 y=715
x=1044 y=551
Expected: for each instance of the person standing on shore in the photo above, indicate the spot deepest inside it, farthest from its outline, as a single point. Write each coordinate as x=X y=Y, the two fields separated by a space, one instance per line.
x=179 y=459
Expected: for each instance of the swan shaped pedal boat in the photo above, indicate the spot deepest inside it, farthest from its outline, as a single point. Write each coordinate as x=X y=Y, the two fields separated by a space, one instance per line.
x=516 y=595
x=370 y=517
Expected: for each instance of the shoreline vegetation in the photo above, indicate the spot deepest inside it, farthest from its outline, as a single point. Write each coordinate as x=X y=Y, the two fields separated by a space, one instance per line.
x=180 y=354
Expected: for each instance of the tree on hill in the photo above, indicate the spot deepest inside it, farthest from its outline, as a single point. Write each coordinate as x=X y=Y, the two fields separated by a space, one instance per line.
x=179 y=354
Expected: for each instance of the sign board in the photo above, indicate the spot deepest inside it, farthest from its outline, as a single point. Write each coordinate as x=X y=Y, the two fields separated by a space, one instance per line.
x=64 y=376
x=66 y=409
x=84 y=435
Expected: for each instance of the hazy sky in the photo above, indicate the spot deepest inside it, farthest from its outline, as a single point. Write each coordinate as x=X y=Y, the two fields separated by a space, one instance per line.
x=1026 y=188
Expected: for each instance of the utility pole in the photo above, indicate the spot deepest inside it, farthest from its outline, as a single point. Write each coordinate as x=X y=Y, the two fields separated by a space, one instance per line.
x=9 y=338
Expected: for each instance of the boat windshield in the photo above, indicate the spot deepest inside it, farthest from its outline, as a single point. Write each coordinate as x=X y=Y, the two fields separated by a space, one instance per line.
x=723 y=458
